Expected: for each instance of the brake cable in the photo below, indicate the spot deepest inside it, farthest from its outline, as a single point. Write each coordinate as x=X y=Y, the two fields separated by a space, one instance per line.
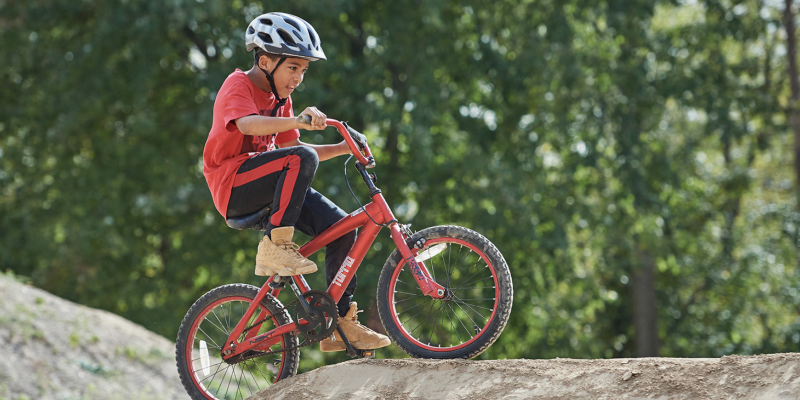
x=354 y=195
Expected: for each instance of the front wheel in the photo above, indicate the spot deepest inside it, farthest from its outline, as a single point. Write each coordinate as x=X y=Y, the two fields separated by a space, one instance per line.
x=476 y=306
x=206 y=327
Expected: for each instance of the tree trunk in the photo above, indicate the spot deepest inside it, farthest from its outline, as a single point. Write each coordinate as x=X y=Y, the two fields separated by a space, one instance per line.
x=794 y=118
x=645 y=315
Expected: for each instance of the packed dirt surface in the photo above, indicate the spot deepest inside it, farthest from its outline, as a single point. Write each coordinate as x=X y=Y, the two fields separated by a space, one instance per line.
x=774 y=376
x=53 y=349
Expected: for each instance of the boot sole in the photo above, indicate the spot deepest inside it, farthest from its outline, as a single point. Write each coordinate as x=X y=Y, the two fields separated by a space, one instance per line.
x=262 y=270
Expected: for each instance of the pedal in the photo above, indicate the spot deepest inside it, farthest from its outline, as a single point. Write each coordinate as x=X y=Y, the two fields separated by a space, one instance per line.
x=353 y=352
x=365 y=353
x=277 y=282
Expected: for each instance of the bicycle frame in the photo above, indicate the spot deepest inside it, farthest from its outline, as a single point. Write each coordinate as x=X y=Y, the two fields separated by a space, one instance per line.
x=382 y=215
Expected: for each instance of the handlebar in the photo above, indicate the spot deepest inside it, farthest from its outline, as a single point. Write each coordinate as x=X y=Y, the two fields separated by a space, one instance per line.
x=354 y=139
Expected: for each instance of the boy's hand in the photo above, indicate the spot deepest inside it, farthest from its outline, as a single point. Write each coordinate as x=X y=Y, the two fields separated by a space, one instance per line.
x=317 y=119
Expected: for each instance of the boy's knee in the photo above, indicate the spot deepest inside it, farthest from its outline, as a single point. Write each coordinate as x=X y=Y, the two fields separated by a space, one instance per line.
x=308 y=155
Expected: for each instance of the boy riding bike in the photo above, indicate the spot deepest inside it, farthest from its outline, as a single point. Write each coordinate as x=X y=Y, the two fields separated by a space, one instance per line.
x=254 y=158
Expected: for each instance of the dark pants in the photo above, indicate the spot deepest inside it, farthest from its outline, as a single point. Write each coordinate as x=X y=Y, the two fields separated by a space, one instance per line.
x=283 y=178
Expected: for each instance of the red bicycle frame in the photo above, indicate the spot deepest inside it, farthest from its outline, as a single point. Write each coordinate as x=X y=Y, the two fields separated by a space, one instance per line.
x=382 y=215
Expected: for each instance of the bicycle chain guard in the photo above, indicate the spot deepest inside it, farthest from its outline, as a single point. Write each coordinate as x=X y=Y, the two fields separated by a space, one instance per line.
x=323 y=316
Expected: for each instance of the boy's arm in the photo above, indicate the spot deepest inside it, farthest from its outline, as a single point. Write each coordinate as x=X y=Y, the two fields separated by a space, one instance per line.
x=257 y=125
x=324 y=151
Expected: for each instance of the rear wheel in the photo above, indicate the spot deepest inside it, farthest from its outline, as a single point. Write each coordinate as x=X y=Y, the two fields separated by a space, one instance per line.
x=477 y=302
x=206 y=328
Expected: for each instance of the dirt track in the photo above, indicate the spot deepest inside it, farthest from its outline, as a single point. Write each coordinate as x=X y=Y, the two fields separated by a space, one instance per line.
x=54 y=349
x=775 y=376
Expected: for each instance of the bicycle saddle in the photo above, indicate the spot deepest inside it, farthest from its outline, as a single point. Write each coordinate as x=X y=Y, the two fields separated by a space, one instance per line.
x=256 y=221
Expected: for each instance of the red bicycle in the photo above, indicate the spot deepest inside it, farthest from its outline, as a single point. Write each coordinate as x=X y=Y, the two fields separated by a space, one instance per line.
x=445 y=292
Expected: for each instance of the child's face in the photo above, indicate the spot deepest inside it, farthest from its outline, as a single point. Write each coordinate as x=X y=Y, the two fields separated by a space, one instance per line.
x=289 y=74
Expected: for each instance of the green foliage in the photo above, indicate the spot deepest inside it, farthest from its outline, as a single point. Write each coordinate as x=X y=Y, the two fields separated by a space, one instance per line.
x=583 y=138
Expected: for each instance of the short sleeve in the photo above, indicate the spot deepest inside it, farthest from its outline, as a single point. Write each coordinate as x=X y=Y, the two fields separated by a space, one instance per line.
x=238 y=103
x=290 y=135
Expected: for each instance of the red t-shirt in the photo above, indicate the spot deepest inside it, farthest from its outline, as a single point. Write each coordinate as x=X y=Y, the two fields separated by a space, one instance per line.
x=227 y=148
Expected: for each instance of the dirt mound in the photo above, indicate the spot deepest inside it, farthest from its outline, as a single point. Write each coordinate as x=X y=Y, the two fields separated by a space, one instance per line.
x=775 y=376
x=55 y=349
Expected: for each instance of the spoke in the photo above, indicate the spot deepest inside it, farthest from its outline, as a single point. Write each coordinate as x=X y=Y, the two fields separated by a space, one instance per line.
x=216 y=372
x=249 y=389
x=457 y=300
x=220 y=322
x=467 y=314
x=436 y=325
x=226 y=369
x=208 y=337
x=410 y=294
x=467 y=281
x=453 y=269
x=255 y=380
x=449 y=250
x=426 y=319
x=462 y=324
x=478 y=299
x=448 y=260
x=451 y=329
x=215 y=325
x=211 y=364
x=398 y=314
x=230 y=312
x=400 y=301
x=404 y=282
x=465 y=259
x=431 y=269
x=473 y=282
x=212 y=347
x=269 y=381
x=230 y=380
x=476 y=287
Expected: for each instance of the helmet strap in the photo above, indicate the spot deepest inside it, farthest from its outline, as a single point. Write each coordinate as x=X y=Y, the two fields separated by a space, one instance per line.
x=281 y=101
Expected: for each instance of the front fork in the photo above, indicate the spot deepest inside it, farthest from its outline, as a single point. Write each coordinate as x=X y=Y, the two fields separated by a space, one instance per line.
x=428 y=286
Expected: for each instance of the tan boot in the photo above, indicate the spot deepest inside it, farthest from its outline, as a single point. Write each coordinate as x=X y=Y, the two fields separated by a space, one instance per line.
x=360 y=337
x=280 y=255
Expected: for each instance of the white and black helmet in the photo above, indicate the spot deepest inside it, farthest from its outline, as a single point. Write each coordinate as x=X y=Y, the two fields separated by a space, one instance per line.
x=284 y=35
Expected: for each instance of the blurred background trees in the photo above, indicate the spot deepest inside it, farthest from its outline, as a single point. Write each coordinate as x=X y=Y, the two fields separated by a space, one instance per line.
x=631 y=159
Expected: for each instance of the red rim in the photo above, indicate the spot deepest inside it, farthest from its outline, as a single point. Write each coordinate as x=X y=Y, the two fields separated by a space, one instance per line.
x=403 y=330
x=192 y=337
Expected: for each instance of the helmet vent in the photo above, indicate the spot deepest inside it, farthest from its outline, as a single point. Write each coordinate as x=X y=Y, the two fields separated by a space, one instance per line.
x=298 y=35
x=292 y=23
x=312 y=34
x=251 y=31
x=287 y=37
x=266 y=21
x=266 y=38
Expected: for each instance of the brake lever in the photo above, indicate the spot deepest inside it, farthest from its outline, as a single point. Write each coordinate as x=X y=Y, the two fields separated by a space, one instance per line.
x=358 y=138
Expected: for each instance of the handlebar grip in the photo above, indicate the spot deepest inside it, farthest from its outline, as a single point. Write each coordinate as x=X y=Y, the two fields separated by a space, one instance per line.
x=304 y=119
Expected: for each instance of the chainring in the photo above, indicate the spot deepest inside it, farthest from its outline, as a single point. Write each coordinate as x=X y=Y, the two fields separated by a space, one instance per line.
x=322 y=317
x=308 y=341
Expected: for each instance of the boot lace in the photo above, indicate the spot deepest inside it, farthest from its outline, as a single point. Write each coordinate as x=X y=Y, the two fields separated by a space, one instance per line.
x=291 y=247
x=355 y=318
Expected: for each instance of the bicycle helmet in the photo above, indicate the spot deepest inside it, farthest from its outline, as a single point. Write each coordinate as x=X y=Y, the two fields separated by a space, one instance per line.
x=285 y=35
